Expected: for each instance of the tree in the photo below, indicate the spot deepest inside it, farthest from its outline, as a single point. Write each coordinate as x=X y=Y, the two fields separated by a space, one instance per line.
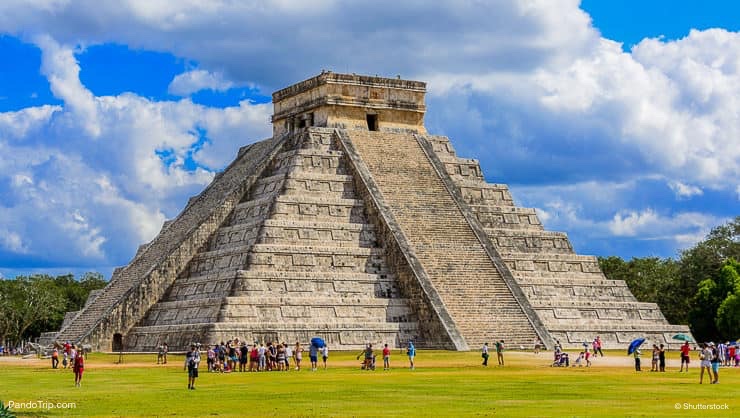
x=727 y=320
x=35 y=304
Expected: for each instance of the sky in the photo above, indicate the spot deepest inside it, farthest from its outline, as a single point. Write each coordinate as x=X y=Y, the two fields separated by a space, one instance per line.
x=618 y=121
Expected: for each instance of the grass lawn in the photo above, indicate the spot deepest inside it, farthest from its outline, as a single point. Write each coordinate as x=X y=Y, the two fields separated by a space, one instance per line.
x=443 y=384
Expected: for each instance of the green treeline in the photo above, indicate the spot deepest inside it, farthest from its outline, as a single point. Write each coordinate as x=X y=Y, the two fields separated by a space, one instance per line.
x=701 y=288
x=30 y=305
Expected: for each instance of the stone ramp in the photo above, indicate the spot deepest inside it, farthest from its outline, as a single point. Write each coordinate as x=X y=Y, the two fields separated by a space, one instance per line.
x=478 y=300
x=138 y=286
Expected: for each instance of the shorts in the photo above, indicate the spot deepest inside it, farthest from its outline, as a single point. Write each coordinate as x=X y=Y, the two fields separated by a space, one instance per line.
x=706 y=363
x=233 y=358
x=715 y=367
x=79 y=372
x=192 y=372
x=685 y=359
x=325 y=358
x=314 y=359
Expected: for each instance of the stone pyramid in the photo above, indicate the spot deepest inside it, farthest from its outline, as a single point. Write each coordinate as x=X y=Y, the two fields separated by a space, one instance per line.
x=353 y=224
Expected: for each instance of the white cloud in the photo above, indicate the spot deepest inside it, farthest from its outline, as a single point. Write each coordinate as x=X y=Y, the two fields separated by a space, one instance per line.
x=196 y=80
x=504 y=78
x=84 y=180
x=684 y=191
x=685 y=228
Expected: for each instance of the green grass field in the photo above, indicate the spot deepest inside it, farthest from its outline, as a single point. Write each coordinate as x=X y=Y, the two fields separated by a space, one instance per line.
x=443 y=384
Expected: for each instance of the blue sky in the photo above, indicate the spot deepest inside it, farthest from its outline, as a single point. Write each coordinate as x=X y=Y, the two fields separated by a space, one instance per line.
x=618 y=121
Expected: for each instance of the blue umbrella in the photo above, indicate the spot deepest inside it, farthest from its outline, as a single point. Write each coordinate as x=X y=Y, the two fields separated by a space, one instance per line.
x=634 y=345
x=317 y=342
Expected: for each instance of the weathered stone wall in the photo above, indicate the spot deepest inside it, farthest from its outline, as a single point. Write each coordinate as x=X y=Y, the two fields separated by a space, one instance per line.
x=134 y=289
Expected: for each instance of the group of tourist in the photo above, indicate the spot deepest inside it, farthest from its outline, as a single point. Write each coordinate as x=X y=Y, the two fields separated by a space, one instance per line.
x=499 y=352
x=562 y=359
x=73 y=357
x=234 y=355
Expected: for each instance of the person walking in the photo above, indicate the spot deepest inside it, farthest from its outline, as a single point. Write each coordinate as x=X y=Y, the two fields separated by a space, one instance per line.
x=192 y=359
x=55 y=358
x=500 y=352
x=78 y=367
x=655 y=356
x=288 y=355
x=411 y=352
x=706 y=362
x=537 y=345
x=160 y=353
x=386 y=358
x=325 y=354
x=597 y=346
x=313 y=355
x=661 y=358
x=484 y=354
x=165 y=350
x=685 y=358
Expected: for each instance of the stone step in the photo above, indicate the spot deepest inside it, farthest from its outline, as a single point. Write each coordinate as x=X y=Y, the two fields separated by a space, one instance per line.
x=570 y=263
x=317 y=258
x=287 y=231
x=444 y=243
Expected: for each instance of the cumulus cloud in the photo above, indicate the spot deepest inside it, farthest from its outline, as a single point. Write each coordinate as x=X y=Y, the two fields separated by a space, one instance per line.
x=196 y=80
x=87 y=181
x=685 y=228
x=537 y=104
x=684 y=191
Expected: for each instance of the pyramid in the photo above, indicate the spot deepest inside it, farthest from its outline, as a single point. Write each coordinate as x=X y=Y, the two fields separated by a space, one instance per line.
x=352 y=223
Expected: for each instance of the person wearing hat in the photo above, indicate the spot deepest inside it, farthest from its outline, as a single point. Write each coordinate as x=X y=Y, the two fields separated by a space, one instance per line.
x=411 y=352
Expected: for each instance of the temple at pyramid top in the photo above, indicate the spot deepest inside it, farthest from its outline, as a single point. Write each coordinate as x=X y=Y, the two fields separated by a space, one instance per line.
x=353 y=224
x=349 y=101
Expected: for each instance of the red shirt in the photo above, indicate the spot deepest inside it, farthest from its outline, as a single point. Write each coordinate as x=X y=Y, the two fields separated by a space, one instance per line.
x=685 y=350
x=386 y=351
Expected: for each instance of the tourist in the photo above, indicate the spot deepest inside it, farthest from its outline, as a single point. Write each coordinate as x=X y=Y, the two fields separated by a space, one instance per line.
x=715 y=363
x=192 y=359
x=298 y=353
x=64 y=359
x=597 y=346
x=55 y=358
x=636 y=354
x=254 y=358
x=160 y=353
x=661 y=358
x=262 y=351
x=368 y=361
x=722 y=350
x=165 y=350
x=221 y=354
x=281 y=358
x=484 y=354
x=587 y=355
x=325 y=354
x=500 y=352
x=78 y=367
x=685 y=358
x=726 y=358
x=313 y=354
x=731 y=353
x=211 y=357
x=705 y=357
x=411 y=352
x=655 y=356
x=272 y=352
x=233 y=357
x=288 y=355
x=537 y=345
x=386 y=358
x=579 y=359
x=243 y=357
